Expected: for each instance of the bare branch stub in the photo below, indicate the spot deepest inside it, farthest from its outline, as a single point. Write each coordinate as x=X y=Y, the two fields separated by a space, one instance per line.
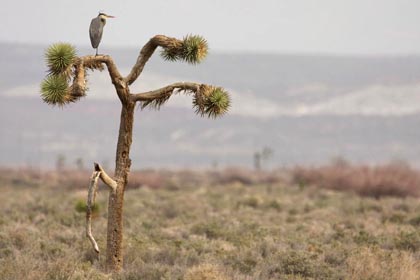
x=105 y=177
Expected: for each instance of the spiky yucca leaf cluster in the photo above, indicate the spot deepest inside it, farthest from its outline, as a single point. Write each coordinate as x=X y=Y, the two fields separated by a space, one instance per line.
x=55 y=88
x=195 y=49
x=59 y=58
x=211 y=101
x=192 y=49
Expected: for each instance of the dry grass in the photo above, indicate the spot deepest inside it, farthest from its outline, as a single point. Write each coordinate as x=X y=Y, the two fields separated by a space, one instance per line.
x=375 y=263
x=189 y=227
x=205 y=272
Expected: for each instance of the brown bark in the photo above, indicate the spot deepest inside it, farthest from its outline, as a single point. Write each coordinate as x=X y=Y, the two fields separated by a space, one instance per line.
x=114 y=256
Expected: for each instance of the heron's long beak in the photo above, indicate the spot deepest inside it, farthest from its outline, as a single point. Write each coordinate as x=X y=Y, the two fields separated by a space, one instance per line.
x=108 y=16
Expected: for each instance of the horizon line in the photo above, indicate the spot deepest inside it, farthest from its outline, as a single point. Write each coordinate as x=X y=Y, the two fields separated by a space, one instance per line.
x=244 y=51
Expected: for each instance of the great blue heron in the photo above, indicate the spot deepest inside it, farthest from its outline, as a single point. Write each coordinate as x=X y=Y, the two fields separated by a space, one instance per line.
x=96 y=29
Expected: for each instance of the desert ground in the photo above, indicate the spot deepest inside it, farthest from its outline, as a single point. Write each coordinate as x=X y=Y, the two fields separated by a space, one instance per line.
x=332 y=222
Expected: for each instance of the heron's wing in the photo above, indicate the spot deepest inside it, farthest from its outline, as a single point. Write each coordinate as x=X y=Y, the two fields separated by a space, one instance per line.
x=95 y=32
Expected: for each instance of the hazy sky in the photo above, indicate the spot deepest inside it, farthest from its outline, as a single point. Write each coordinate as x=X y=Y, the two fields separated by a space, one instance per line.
x=310 y=26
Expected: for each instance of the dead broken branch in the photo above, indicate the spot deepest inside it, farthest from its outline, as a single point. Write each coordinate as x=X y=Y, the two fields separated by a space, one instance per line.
x=93 y=186
x=99 y=172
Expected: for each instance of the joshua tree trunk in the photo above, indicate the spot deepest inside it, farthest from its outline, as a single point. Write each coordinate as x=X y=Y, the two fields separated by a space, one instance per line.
x=114 y=257
x=66 y=83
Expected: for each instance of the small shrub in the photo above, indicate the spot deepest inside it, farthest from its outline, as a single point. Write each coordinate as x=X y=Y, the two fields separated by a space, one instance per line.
x=275 y=204
x=396 y=218
x=205 y=272
x=364 y=237
x=415 y=221
x=401 y=207
x=81 y=207
x=299 y=264
x=335 y=257
x=170 y=211
x=252 y=201
x=211 y=230
x=147 y=271
x=243 y=263
x=293 y=212
x=60 y=270
x=409 y=241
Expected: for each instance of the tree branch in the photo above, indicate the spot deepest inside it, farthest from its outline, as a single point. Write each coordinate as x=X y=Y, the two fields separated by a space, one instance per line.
x=166 y=91
x=107 y=60
x=147 y=51
x=93 y=186
x=95 y=62
x=105 y=177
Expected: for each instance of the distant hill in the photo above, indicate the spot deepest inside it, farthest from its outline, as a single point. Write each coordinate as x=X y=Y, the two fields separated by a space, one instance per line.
x=308 y=108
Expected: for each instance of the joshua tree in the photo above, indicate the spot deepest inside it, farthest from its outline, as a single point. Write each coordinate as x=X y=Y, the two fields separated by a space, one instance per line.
x=259 y=156
x=60 y=162
x=80 y=164
x=66 y=83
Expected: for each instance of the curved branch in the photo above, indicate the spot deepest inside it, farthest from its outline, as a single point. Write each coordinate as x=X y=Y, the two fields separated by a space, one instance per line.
x=95 y=62
x=165 y=91
x=107 y=60
x=208 y=100
x=147 y=51
x=93 y=186
x=99 y=172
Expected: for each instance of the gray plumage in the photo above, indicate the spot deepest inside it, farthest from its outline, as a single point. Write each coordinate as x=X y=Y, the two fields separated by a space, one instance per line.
x=96 y=29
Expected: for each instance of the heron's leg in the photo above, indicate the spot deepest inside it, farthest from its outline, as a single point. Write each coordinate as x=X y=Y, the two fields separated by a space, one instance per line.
x=96 y=52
